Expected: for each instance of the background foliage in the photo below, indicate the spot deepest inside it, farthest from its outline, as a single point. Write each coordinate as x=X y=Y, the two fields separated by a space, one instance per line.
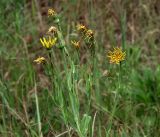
x=111 y=101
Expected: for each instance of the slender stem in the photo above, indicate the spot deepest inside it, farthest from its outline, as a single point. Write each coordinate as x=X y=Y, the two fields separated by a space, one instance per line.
x=38 y=113
x=119 y=76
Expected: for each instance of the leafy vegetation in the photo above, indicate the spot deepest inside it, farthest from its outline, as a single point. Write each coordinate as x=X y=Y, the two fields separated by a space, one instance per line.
x=98 y=79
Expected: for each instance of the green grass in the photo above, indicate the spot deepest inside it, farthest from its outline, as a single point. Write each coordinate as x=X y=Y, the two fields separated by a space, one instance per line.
x=78 y=93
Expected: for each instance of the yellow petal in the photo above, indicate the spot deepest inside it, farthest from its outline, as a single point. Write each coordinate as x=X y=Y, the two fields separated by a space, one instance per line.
x=43 y=44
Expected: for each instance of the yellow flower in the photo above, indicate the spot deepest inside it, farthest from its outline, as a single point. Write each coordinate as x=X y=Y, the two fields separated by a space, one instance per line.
x=76 y=44
x=81 y=28
x=48 y=43
x=51 y=12
x=116 y=56
x=40 y=60
x=52 y=29
x=89 y=33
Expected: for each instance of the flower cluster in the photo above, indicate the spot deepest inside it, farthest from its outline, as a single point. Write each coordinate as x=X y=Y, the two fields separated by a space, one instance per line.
x=48 y=43
x=51 y=12
x=89 y=34
x=52 y=30
x=116 y=56
x=81 y=28
x=40 y=60
x=54 y=34
x=76 y=44
x=86 y=33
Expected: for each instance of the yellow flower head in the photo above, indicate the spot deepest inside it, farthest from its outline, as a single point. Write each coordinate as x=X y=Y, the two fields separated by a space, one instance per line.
x=52 y=29
x=116 y=56
x=81 y=28
x=48 y=43
x=51 y=12
x=76 y=44
x=40 y=60
x=89 y=33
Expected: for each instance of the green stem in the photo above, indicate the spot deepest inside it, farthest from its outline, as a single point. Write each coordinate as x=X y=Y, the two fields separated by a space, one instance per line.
x=38 y=113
